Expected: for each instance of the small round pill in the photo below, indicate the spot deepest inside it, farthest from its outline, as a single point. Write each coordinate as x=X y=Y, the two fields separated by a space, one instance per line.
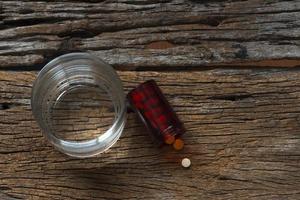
x=178 y=144
x=186 y=163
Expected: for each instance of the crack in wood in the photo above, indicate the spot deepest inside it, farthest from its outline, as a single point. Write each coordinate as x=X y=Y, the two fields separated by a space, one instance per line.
x=79 y=33
x=232 y=97
x=6 y=106
x=4 y=188
x=213 y=21
x=31 y=21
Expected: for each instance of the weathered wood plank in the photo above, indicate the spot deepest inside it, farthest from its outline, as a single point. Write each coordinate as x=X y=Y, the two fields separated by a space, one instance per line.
x=137 y=34
x=242 y=137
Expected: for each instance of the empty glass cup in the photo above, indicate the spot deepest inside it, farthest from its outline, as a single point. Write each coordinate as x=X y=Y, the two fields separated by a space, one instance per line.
x=79 y=103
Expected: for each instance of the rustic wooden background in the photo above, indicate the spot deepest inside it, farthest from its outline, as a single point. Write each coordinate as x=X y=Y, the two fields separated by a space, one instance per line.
x=230 y=68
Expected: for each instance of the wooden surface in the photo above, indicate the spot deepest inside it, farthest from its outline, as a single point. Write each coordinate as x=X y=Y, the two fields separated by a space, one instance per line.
x=142 y=34
x=228 y=67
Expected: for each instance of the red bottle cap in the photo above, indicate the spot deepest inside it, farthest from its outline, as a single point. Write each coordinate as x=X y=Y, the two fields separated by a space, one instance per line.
x=155 y=112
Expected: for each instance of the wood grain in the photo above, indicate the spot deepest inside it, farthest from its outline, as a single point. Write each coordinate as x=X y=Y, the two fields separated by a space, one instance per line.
x=242 y=138
x=144 y=34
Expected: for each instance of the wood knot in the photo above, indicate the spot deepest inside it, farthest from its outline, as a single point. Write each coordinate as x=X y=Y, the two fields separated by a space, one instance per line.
x=160 y=45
